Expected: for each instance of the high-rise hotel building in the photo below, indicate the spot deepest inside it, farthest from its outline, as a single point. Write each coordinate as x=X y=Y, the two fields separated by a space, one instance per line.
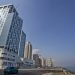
x=28 y=50
x=10 y=32
x=22 y=44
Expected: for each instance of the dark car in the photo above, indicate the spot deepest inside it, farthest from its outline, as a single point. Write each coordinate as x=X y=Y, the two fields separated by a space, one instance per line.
x=10 y=70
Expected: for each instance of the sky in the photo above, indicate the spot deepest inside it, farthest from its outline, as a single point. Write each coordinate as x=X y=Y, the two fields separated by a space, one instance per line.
x=50 y=27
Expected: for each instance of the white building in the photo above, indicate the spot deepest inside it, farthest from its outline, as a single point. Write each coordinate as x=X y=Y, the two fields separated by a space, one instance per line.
x=49 y=62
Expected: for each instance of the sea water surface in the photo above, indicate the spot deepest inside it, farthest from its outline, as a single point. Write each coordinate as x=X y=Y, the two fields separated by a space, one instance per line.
x=71 y=68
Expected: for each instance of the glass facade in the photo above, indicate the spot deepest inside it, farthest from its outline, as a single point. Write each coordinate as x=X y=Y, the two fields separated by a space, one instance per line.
x=12 y=36
x=10 y=33
x=13 y=39
x=22 y=44
x=3 y=16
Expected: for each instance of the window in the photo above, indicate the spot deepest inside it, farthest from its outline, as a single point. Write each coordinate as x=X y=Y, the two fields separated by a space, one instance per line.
x=4 y=58
x=4 y=63
x=4 y=53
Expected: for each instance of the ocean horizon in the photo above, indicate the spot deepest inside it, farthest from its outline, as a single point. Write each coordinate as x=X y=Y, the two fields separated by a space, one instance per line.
x=71 y=68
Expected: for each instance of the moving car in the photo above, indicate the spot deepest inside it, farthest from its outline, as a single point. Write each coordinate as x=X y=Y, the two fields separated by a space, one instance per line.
x=10 y=70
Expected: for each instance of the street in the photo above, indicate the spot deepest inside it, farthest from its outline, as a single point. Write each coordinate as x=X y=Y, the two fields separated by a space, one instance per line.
x=38 y=72
x=23 y=72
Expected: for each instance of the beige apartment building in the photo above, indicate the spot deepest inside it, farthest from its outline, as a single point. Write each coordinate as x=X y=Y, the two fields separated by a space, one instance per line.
x=28 y=50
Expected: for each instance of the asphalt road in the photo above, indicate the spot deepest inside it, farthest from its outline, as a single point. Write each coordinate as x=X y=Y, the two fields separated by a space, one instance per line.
x=22 y=72
x=35 y=71
x=29 y=73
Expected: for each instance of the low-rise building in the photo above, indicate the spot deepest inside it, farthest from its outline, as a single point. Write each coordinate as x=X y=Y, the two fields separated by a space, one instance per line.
x=27 y=63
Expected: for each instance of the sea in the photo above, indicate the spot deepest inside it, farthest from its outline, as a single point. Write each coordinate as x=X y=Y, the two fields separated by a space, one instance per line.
x=71 y=68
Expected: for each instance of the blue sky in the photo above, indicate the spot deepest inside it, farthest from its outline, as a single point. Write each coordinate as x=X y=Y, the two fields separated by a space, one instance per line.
x=50 y=26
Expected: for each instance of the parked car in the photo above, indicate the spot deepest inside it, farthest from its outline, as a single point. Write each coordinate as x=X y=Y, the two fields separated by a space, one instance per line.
x=10 y=70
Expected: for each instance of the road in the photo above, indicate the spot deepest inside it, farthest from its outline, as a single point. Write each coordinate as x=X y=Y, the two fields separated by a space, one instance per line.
x=38 y=72
x=24 y=72
x=29 y=73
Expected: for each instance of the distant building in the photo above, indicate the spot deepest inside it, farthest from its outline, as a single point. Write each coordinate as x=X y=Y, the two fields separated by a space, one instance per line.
x=49 y=62
x=10 y=31
x=43 y=62
x=37 y=60
x=28 y=50
x=22 y=44
x=27 y=63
